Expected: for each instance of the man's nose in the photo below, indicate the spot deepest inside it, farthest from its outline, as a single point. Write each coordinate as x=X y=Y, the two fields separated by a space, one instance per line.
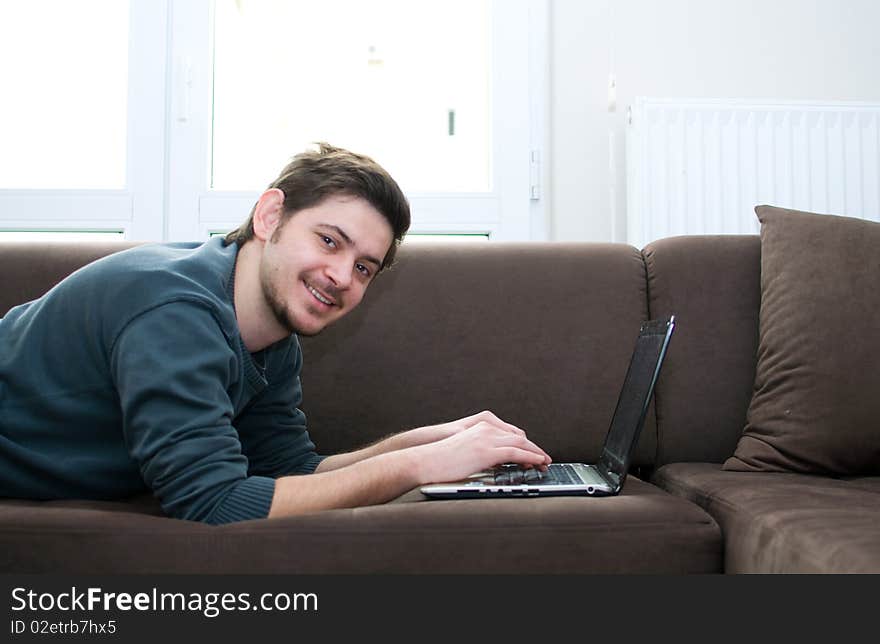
x=339 y=271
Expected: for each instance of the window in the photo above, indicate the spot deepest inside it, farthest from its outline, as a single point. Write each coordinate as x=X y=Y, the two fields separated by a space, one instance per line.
x=82 y=120
x=164 y=120
x=63 y=116
x=416 y=98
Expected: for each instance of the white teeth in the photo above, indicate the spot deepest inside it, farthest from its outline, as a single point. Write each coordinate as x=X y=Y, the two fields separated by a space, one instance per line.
x=320 y=297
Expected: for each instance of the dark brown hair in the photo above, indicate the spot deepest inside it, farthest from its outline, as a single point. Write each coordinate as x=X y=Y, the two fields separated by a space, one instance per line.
x=314 y=175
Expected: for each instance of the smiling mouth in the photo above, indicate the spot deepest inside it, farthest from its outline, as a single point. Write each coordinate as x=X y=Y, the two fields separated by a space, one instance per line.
x=323 y=299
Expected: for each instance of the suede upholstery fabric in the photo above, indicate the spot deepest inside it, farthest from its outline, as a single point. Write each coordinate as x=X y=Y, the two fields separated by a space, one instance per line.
x=815 y=407
x=643 y=530
x=540 y=334
x=712 y=285
x=785 y=522
x=771 y=522
x=31 y=269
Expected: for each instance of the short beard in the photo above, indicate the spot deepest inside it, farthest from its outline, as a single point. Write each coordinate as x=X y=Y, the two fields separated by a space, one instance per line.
x=282 y=316
x=276 y=305
x=279 y=311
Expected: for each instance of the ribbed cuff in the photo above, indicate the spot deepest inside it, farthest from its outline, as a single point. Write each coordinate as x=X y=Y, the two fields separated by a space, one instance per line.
x=250 y=499
x=310 y=465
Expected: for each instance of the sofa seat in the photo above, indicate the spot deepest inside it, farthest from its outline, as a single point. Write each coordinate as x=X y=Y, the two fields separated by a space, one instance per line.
x=785 y=523
x=644 y=530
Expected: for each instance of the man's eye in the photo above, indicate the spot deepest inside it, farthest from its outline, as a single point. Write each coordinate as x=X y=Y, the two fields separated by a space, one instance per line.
x=328 y=241
x=363 y=270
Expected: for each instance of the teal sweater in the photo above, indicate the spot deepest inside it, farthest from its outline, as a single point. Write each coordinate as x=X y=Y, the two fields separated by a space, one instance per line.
x=131 y=376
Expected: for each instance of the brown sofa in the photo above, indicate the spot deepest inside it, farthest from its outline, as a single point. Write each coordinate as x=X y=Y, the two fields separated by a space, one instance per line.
x=540 y=334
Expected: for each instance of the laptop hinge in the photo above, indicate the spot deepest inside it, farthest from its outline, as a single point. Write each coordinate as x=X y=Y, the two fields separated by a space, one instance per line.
x=610 y=477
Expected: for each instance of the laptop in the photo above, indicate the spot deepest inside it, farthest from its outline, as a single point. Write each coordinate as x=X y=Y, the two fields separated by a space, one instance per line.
x=604 y=478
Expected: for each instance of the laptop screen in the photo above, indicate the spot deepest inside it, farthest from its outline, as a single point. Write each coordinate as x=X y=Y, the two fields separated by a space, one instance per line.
x=635 y=395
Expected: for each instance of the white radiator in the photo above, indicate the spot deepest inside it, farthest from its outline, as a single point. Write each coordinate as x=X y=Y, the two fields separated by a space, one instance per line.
x=700 y=167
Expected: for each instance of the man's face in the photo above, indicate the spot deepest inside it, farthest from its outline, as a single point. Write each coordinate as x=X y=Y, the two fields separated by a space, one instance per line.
x=317 y=265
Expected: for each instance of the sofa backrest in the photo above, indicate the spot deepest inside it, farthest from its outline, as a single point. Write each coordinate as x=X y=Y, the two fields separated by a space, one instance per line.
x=29 y=269
x=712 y=285
x=539 y=333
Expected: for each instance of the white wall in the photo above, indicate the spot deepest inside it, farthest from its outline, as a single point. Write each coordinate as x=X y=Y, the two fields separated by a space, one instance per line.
x=762 y=49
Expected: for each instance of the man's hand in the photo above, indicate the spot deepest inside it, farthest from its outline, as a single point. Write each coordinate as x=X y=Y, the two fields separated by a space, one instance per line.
x=420 y=436
x=434 y=433
x=476 y=447
x=381 y=472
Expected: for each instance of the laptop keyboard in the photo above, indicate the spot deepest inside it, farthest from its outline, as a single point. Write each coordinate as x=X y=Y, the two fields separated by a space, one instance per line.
x=556 y=473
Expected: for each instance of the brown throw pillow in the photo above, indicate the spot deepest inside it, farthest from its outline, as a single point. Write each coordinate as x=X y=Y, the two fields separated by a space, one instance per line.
x=816 y=402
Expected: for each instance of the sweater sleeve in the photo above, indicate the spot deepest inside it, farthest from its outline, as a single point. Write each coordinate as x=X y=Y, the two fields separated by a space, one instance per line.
x=173 y=367
x=273 y=428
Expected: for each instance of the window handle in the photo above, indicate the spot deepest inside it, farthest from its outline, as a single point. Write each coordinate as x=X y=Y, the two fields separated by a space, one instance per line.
x=185 y=85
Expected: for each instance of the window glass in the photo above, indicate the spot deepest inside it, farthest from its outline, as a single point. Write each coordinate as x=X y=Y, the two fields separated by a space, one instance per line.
x=64 y=83
x=404 y=82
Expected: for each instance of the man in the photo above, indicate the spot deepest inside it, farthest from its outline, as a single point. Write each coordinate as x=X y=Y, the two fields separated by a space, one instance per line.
x=174 y=368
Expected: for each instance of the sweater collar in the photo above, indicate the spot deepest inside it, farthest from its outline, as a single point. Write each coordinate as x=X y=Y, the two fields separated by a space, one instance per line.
x=253 y=364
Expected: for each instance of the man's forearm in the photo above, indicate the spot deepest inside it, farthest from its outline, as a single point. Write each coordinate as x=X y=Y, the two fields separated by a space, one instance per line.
x=390 y=444
x=389 y=468
x=369 y=481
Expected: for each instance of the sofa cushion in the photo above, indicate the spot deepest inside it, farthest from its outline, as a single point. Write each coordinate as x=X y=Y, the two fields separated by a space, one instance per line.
x=777 y=522
x=644 y=530
x=815 y=403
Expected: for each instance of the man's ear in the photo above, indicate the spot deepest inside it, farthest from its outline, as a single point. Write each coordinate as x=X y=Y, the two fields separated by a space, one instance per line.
x=267 y=213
